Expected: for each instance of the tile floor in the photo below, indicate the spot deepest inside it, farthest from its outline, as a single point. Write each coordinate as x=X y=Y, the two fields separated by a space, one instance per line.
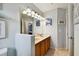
x=57 y=52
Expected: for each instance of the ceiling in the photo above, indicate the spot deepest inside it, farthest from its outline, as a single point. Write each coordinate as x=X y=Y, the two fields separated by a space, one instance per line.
x=49 y=6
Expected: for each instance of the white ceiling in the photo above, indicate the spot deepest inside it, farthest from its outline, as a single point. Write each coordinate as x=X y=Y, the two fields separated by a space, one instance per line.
x=49 y=6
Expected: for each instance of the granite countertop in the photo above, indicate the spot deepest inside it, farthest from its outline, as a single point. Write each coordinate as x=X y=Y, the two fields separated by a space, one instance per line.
x=39 y=38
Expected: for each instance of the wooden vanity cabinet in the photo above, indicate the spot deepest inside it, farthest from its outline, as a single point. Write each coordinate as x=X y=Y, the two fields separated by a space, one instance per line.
x=37 y=50
x=42 y=47
x=47 y=44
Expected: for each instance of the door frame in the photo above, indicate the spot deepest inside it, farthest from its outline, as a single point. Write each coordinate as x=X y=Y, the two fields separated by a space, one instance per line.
x=70 y=29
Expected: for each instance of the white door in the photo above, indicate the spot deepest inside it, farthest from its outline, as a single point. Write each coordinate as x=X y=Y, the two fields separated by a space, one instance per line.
x=76 y=40
x=76 y=30
x=70 y=33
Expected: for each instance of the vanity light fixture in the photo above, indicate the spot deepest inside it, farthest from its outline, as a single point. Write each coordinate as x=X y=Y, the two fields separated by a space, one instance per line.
x=33 y=14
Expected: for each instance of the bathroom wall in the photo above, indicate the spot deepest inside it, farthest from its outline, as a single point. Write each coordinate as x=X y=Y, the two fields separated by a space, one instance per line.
x=13 y=27
x=12 y=13
x=1 y=6
x=38 y=29
x=52 y=30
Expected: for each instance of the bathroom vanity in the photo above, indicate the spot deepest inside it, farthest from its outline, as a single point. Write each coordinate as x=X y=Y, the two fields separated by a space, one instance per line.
x=42 y=44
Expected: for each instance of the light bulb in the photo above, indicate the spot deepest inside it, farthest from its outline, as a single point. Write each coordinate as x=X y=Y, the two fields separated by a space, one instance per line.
x=36 y=15
x=28 y=12
x=40 y=17
x=33 y=13
x=43 y=18
x=24 y=12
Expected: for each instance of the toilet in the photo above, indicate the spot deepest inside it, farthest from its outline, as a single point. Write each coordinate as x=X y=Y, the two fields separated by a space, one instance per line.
x=3 y=51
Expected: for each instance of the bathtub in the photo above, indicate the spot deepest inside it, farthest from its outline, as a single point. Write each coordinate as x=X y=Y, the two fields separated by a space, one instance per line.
x=3 y=51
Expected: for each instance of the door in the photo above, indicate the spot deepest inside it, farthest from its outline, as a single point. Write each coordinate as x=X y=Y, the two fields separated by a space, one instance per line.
x=70 y=30
x=76 y=29
x=62 y=36
x=61 y=28
x=76 y=41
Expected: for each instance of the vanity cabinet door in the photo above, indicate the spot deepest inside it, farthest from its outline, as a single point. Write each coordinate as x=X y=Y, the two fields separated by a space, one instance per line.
x=37 y=50
x=42 y=48
x=47 y=44
x=48 y=40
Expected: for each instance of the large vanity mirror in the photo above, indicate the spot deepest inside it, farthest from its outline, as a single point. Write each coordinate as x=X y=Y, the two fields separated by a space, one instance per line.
x=31 y=22
x=26 y=25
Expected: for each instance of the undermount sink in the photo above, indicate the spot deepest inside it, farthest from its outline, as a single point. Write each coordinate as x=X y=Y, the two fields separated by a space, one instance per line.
x=40 y=36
